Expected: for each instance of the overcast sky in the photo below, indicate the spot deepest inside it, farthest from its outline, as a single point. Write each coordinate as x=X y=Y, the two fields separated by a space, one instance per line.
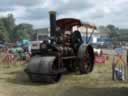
x=98 y=12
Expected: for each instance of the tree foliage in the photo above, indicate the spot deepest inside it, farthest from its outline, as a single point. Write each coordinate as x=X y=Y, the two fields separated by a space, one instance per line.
x=10 y=32
x=113 y=31
x=118 y=34
x=23 y=31
x=4 y=36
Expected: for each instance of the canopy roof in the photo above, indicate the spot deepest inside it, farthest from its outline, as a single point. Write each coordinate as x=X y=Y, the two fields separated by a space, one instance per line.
x=68 y=23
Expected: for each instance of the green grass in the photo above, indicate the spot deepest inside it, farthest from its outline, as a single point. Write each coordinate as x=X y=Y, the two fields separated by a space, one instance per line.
x=14 y=82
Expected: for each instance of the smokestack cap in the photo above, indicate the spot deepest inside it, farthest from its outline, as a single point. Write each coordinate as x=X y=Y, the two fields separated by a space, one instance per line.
x=52 y=12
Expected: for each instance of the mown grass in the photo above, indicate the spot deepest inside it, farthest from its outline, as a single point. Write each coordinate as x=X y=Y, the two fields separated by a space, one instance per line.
x=14 y=82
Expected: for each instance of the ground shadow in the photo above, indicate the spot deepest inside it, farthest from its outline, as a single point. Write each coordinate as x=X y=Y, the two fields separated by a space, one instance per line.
x=81 y=91
x=22 y=78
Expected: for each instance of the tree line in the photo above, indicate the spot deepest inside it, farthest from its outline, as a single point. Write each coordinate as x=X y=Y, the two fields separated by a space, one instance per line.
x=117 y=34
x=10 y=32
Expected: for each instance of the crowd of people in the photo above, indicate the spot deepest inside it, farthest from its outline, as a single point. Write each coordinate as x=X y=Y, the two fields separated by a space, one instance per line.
x=14 y=54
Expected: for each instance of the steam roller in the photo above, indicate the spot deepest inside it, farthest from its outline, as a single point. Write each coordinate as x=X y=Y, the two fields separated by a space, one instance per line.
x=64 y=51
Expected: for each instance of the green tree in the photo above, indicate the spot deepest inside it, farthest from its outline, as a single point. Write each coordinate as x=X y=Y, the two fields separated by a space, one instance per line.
x=114 y=32
x=123 y=34
x=11 y=32
x=23 y=31
x=9 y=23
x=4 y=36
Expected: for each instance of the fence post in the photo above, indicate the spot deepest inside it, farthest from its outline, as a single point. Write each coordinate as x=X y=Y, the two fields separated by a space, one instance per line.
x=113 y=68
x=126 y=65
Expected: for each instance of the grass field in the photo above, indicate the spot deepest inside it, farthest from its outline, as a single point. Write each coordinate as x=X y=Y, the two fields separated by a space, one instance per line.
x=14 y=82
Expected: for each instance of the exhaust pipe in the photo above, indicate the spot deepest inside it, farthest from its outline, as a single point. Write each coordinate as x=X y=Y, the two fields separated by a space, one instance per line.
x=52 y=16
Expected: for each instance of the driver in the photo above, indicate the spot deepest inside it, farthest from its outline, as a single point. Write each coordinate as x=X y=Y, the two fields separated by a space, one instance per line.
x=76 y=40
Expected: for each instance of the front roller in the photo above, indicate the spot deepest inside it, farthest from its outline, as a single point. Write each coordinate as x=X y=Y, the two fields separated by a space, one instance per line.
x=41 y=69
x=86 y=58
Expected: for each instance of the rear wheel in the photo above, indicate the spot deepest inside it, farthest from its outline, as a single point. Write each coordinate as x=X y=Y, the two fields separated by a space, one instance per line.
x=86 y=57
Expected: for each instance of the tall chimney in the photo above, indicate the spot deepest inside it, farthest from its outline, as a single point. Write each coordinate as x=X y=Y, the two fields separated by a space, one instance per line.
x=52 y=16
